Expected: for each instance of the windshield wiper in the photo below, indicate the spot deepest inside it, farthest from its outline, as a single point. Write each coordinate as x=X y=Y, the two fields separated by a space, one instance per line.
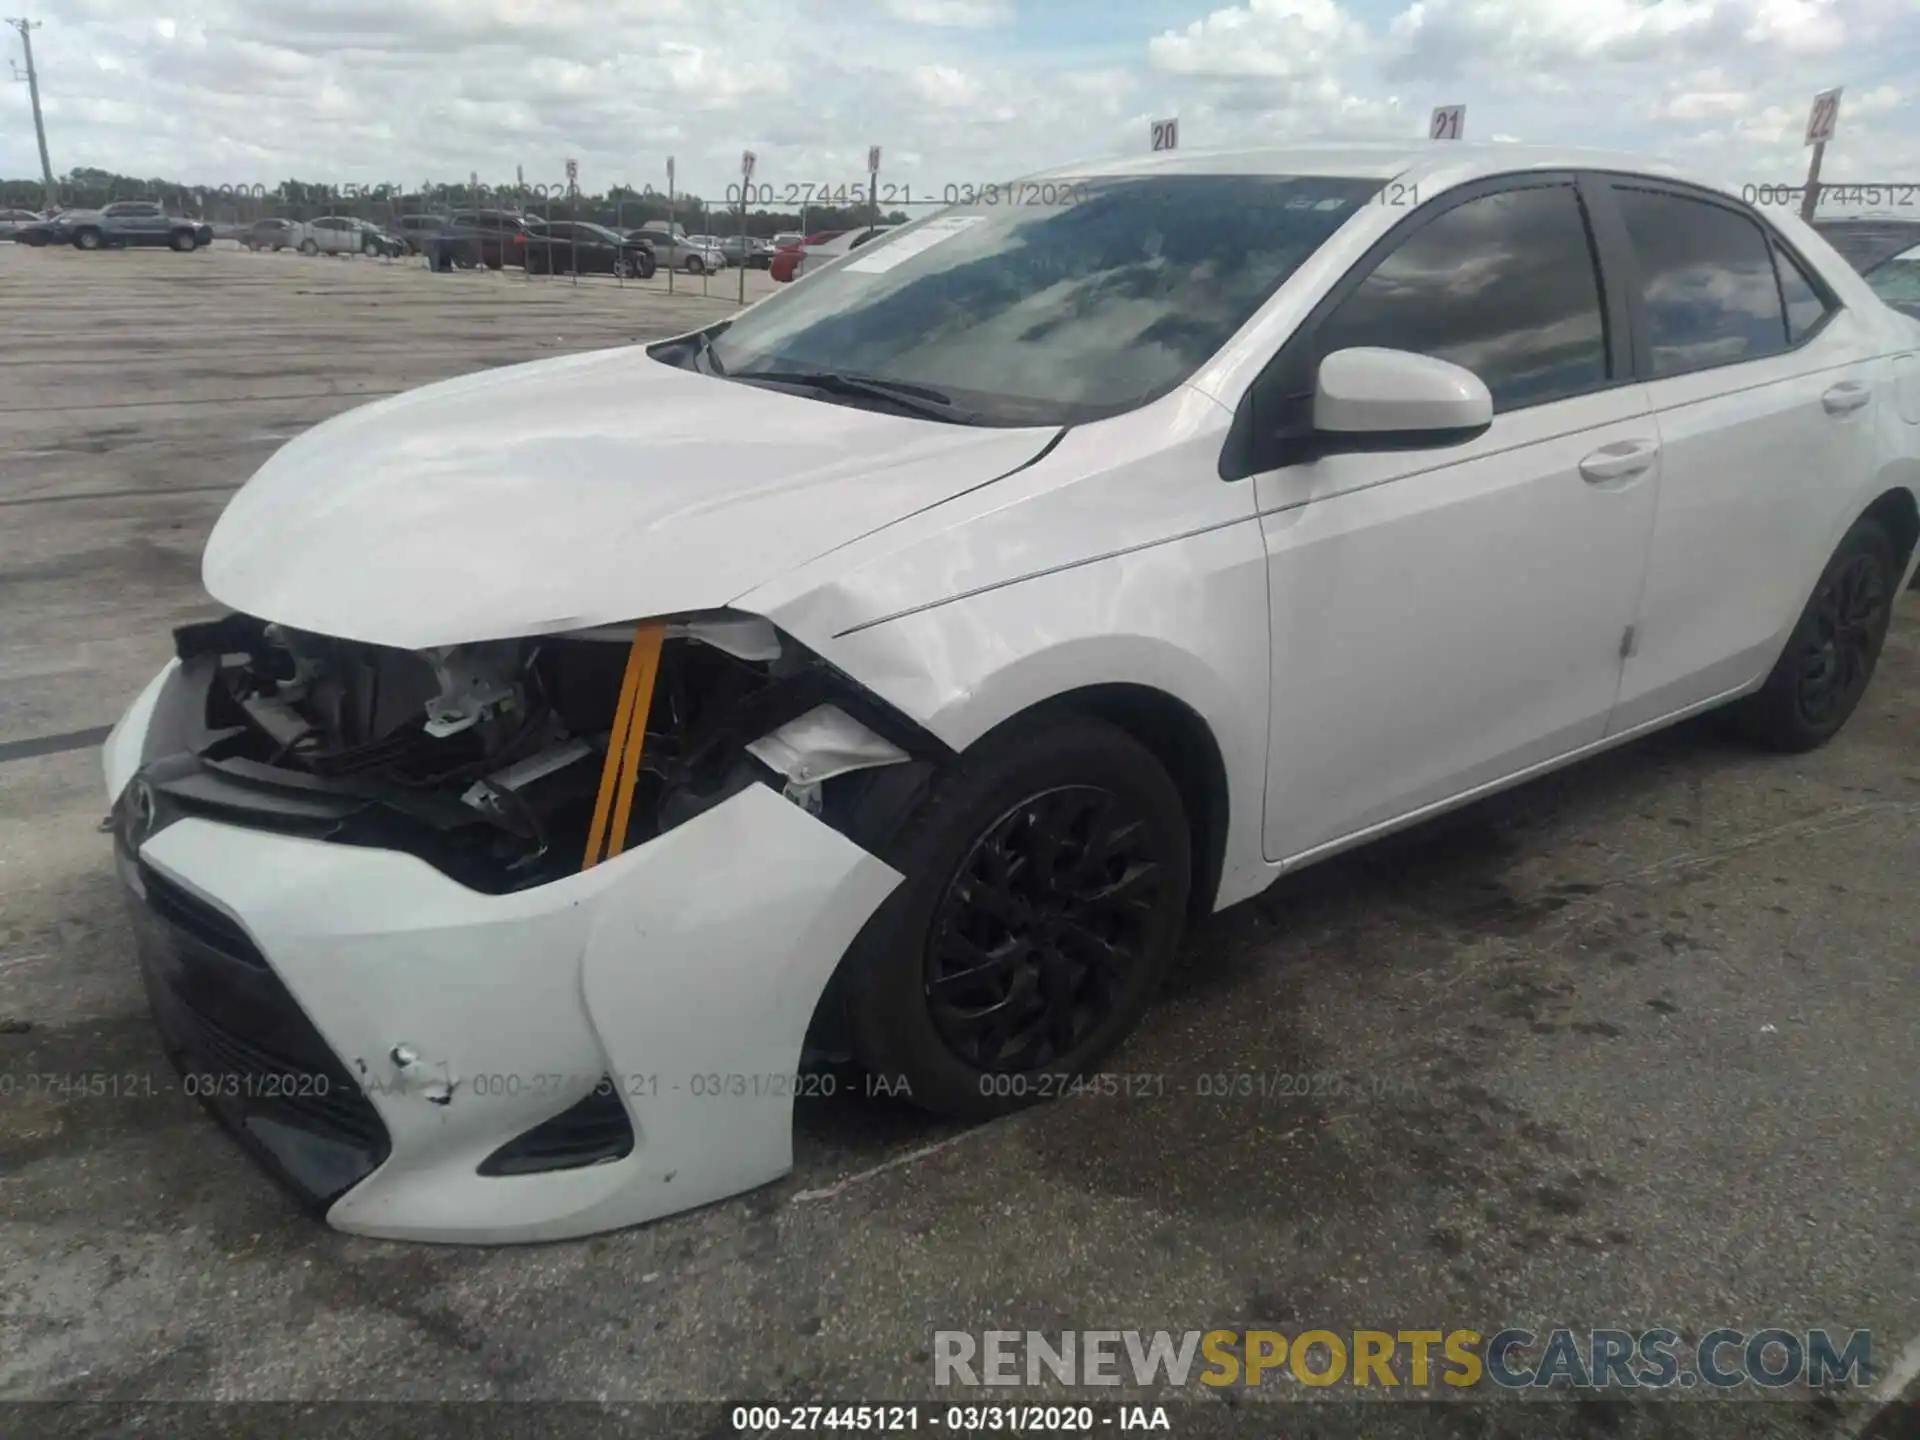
x=921 y=399
x=707 y=353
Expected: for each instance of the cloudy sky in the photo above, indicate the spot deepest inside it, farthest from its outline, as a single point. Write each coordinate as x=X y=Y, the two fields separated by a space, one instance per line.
x=362 y=91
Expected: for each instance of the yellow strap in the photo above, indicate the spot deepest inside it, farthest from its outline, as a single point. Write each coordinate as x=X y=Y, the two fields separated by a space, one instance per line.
x=642 y=658
x=646 y=648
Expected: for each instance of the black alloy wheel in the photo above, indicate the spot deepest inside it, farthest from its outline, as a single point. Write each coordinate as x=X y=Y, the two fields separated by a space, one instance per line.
x=1046 y=874
x=1849 y=623
x=1042 y=927
x=1823 y=672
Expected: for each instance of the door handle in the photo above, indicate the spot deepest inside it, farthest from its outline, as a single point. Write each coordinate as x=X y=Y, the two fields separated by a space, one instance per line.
x=1848 y=395
x=1619 y=460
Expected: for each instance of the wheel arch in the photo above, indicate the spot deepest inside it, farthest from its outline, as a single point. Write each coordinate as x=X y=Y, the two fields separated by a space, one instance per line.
x=1176 y=735
x=1898 y=511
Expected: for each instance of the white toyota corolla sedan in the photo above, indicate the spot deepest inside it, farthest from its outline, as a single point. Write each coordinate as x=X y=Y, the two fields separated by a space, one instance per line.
x=892 y=669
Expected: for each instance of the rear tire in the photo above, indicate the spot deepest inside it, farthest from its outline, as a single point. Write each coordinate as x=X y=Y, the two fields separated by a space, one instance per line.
x=1820 y=677
x=309 y=247
x=88 y=238
x=1046 y=886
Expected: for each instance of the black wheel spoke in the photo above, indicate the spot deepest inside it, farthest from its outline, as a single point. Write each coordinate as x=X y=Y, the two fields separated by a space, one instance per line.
x=1100 y=952
x=978 y=966
x=1041 y=929
x=1133 y=892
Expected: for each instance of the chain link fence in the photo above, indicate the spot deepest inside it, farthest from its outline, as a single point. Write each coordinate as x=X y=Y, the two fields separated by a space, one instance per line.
x=743 y=233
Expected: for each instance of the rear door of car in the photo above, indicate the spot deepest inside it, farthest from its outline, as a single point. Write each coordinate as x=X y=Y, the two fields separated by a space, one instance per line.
x=1764 y=389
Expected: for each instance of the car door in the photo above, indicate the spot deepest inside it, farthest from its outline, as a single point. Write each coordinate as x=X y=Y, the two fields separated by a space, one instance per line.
x=1444 y=619
x=1763 y=388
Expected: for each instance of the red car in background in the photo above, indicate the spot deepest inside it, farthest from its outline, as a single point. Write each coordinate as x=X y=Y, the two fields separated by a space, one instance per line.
x=788 y=256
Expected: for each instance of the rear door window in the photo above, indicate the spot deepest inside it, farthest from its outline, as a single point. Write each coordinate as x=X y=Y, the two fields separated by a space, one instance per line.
x=1708 y=288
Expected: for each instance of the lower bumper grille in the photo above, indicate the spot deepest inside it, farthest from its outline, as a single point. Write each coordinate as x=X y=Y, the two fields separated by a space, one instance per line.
x=245 y=1049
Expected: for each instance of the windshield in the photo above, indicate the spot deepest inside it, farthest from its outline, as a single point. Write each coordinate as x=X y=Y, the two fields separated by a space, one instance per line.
x=1030 y=314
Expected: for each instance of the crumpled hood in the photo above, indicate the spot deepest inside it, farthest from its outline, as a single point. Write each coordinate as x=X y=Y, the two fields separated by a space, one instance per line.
x=578 y=491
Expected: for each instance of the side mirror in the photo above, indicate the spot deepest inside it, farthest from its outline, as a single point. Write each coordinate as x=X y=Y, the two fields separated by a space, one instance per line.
x=1374 y=399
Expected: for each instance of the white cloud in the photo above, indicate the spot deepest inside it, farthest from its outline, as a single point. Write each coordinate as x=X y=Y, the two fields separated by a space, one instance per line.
x=1268 y=39
x=945 y=86
x=965 y=14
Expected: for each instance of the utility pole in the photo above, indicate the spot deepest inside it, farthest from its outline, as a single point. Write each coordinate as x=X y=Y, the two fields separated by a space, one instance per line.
x=26 y=28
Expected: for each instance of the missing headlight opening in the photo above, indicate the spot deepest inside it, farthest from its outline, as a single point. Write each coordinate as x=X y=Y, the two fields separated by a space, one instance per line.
x=512 y=763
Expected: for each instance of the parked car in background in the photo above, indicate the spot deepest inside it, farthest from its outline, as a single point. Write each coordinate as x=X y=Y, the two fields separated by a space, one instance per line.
x=273 y=235
x=48 y=230
x=12 y=222
x=492 y=238
x=578 y=247
x=786 y=259
x=346 y=235
x=128 y=223
x=812 y=257
x=748 y=250
x=786 y=238
x=682 y=252
x=415 y=230
x=815 y=252
x=1885 y=251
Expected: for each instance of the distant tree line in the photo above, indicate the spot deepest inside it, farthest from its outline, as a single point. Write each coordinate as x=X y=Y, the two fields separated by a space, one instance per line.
x=85 y=187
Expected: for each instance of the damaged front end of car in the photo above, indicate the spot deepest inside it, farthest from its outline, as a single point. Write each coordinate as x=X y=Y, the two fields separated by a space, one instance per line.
x=506 y=941
x=494 y=761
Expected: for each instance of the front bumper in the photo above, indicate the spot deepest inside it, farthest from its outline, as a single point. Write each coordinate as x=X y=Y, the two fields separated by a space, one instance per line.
x=376 y=1033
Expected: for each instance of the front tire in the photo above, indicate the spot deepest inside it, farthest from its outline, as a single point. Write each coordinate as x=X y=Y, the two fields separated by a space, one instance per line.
x=695 y=266
x=184 y=241
x=1046 y=886
x=309 y=247
x=1820 y=677
x=88 y=239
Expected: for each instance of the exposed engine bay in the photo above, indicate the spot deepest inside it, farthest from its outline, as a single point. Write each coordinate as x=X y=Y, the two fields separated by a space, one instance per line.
x=486 y=760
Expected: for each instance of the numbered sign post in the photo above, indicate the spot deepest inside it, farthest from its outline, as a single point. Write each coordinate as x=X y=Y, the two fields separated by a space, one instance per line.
x=573 y=230
x=747 y=160
x=1821 y=121
x=1448 y=123
x=873 y=182
x=1164 y=134
x=670 y=237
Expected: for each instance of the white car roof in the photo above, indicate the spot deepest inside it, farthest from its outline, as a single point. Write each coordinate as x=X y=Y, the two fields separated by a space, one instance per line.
x=1438 y=162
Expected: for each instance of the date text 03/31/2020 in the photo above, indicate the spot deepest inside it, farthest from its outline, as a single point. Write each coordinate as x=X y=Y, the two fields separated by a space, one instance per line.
x=953 y=1419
